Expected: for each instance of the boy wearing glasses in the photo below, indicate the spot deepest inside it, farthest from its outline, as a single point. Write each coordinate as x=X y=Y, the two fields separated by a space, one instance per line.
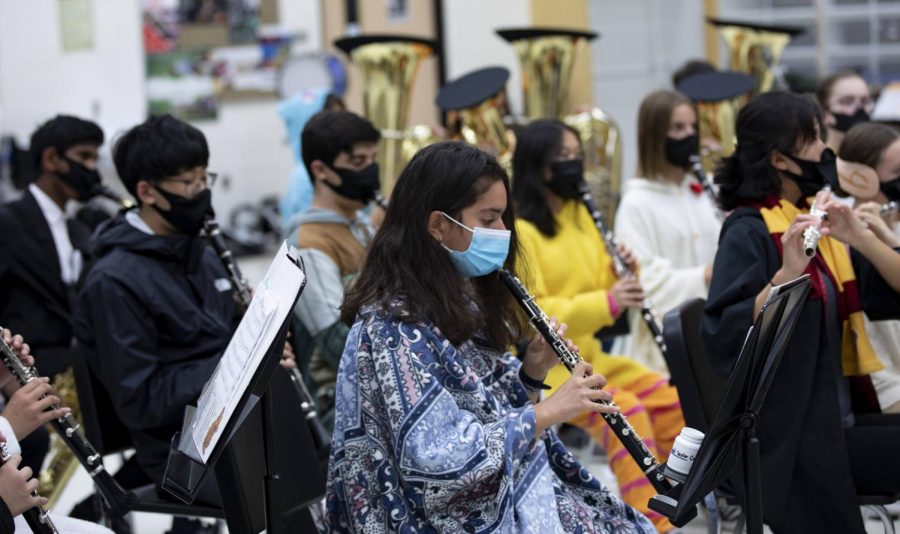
x=157 y=308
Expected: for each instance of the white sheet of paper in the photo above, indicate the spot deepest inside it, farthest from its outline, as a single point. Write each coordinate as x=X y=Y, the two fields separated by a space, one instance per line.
x=271 y=304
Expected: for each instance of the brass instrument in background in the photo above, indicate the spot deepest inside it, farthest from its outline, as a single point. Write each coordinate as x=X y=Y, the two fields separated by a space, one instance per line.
x=388 y=65
x=475 y=104
x=62 y=466
x=756 y=49
x=546 y=57
x=717 y=96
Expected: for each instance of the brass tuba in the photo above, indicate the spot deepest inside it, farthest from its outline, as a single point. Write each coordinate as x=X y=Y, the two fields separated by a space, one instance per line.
x=388 y=65
x=475 y=104
x=718 y=96
x=755 y=49
x=546 y=57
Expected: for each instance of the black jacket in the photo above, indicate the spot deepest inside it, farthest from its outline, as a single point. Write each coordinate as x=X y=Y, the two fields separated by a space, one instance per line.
x=35 y=301
x=806 y=469
x=155 y=313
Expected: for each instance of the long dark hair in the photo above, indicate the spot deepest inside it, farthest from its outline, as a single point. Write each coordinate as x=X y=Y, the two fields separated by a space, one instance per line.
x=536 y=146
x=772 y=122
x=405 y=261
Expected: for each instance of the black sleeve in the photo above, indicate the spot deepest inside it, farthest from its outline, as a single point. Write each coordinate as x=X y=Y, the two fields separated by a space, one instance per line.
x=745 y=262
x=7 y=525
x=877 y=298
x=146 y=393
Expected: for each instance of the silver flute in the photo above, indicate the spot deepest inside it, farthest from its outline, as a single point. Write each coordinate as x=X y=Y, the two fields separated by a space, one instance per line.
x=889 y=207
x=813 y=233
x=620 y=426
x=37 y=518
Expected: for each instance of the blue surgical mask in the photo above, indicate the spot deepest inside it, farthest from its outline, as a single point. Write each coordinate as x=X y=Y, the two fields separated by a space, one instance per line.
x=486 y=253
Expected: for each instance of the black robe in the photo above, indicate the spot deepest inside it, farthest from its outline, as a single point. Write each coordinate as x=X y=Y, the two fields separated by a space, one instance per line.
x=806 y=472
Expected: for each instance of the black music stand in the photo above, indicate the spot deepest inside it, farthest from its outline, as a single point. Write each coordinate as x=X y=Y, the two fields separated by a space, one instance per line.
x=732 y=435
x=252 y=471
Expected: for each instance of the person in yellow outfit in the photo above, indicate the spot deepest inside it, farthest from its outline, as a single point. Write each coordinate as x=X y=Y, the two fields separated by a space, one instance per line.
x=570 y=274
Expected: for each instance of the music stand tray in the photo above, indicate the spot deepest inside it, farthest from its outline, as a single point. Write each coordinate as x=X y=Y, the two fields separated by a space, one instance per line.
x=732 y=434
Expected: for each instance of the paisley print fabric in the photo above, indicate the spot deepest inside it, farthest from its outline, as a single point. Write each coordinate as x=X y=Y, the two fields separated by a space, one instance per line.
x=429 y=437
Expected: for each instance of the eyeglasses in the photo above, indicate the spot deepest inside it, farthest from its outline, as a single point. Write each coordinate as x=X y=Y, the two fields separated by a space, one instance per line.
x=193 y=184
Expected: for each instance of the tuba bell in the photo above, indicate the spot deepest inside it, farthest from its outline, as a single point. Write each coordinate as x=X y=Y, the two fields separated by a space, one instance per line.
x=475 y=104
x=388 y=65
x=546 y=57
x=756 y=49
x=717 y=96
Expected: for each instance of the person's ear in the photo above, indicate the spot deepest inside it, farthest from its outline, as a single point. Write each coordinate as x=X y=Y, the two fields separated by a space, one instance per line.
x=146 y=193
x=437 y=226
x=51 y=160
x=779 y=161
x=319 y=170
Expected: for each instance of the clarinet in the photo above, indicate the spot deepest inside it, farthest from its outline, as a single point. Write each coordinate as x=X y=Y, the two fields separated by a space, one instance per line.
x=813 y=233
x=37 y=518
x=244 y=296
x=702 y=179
x=118 y=500
x=380 y=201
x=889 y=207
x=103 y=190
x=620 y=426
x=648 y=314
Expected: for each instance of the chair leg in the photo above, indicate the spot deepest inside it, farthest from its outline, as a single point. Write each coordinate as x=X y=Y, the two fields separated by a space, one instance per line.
x=886 y=520
x=714 y=525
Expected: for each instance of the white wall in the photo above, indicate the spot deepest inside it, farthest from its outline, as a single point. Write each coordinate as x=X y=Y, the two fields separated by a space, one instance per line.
x=106 y=84
x=642 y=42
x=471 y=42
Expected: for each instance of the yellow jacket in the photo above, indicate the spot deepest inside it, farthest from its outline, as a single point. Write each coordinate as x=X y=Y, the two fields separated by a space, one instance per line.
x=569 y=275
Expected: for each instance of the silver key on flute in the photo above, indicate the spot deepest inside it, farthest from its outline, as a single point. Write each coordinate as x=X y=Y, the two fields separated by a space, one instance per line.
x=813 y=233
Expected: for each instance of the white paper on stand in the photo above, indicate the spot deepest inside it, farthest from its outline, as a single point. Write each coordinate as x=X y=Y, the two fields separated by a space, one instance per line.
x=270 y=306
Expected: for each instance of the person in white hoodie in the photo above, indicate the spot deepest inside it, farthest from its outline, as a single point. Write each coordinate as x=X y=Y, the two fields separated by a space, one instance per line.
x=670 y=223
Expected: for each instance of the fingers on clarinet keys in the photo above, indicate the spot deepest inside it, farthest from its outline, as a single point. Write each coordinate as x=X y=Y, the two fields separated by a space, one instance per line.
x=684 y=451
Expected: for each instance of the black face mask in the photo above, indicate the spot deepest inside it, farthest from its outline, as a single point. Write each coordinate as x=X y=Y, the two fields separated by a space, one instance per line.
x=843 y=123
x=83 y=180
x=891 y=189
x=814 y=175
x=358 y=185
x=187 y=214
x=565 y=178
x=680 y=151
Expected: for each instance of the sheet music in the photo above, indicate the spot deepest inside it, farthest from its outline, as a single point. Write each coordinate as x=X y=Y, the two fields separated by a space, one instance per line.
x=270 y=306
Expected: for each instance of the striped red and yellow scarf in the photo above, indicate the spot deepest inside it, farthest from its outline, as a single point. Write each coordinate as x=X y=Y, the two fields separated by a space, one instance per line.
x=833 y=259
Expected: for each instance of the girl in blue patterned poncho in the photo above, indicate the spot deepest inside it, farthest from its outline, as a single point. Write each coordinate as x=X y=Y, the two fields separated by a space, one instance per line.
x=435 y=429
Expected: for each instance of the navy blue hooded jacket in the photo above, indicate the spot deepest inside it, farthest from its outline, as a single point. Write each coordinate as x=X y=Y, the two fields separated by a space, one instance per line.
x=154 y=315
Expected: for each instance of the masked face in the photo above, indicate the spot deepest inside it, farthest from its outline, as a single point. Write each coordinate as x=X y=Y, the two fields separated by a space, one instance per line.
x=82 y=180
x=486 y=253
x=680 y=151
x=843 y=122
x=565 y=177
x=187 y=215
x=358 y=185
x=814 y=175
